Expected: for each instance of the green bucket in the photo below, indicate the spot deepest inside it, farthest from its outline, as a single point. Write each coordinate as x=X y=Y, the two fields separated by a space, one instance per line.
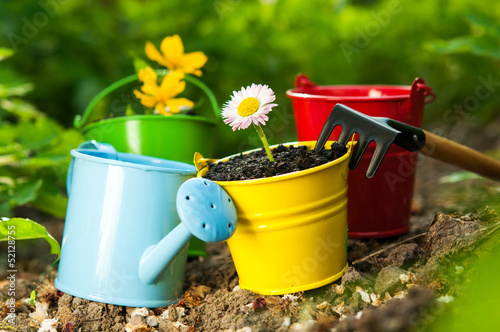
x=175 y=137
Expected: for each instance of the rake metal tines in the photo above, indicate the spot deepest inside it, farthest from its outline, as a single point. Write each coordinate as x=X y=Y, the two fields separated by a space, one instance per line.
x=369 y=129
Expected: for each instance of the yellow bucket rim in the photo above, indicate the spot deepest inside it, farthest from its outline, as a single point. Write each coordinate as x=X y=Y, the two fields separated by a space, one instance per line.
x=281 y=177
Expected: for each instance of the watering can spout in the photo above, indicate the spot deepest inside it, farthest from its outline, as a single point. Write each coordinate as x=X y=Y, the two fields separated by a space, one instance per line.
x=206 y=211
x=157 y=258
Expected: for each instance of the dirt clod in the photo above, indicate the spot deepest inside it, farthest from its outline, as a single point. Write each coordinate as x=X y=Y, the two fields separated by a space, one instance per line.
x=404 y=255
x=259 y=303
x=388 y=280
x=394 y=316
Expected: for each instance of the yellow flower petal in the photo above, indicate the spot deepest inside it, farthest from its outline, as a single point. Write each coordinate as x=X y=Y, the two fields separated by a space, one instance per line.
x=197 y=72
x=151 y=90
x=176 y=75
x=172 y=85
x=147 y=75
x=153 y=54
x=160 y=108
x=191 y=62
x=174 y=104
x=173 y=51
x=146 y=100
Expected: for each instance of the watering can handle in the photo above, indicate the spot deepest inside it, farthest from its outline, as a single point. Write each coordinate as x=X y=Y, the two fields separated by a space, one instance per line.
x=81 y=120
x=87 y=145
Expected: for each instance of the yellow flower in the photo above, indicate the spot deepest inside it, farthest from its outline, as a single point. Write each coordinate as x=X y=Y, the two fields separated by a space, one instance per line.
x=173 y=57
x=161 y=97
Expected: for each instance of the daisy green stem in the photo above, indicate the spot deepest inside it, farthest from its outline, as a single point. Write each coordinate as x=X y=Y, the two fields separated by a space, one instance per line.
x=264 y=141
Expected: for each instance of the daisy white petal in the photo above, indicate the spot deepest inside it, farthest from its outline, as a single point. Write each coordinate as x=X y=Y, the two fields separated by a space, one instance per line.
x=249 y=105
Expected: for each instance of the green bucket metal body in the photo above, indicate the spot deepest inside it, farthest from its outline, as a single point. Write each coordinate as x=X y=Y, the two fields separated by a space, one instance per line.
x=176 y=137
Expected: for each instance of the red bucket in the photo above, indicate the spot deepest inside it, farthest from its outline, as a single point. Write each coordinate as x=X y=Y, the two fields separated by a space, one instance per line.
x=378 y=207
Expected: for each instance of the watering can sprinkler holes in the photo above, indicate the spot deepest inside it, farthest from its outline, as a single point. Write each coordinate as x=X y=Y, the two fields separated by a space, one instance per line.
x=206 y=211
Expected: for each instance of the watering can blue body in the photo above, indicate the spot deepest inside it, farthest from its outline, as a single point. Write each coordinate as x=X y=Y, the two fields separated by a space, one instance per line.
x=123 y=241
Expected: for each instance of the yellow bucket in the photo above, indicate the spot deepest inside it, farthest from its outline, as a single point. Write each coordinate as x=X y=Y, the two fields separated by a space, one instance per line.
x=292 y=229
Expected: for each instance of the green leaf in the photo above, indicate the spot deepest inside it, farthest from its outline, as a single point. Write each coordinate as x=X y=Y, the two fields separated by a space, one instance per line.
x=482 y=41
x=17 y=90
x=44 y=160
x=8 y=134
x=456 y=45
x=25 y=111
x=459 y=177
x=484 y=22
x=54 y=204
x=32 y=299
x=34 y=135
x=488 y=215
x=5 y=208
x=25 y=229
x=129 y=111
x=66 y=141
x=5 y=53
x=139 y=63
x=7 y=159
x=26 y=192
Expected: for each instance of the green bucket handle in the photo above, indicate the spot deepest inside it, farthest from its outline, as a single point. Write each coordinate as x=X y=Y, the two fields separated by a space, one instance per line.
x=80 y=120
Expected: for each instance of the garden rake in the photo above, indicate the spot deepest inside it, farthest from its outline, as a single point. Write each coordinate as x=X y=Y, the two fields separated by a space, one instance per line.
x=385 y=131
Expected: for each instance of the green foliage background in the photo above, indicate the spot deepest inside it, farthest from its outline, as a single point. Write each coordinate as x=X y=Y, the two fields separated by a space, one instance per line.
x=82 y=46
x=34 y=152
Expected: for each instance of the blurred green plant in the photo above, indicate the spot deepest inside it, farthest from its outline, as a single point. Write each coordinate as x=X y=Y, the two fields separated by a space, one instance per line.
x=32 y=299
x=467 y=192
x=483 y=40
x=483 y=43
x=473 y=306
x=34 y=153
x=459 y=177
x=76 y=52
x=15 y=229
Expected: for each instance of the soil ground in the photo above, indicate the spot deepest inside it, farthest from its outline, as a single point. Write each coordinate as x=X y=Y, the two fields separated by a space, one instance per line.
x=397 y=284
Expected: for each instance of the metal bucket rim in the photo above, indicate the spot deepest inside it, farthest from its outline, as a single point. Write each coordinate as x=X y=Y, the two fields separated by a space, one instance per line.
x=183 y=168
x=293 y=93
x=281 y=177
x=150 y=117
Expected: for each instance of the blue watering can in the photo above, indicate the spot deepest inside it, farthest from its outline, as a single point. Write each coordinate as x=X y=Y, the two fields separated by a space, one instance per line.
x=123 y=240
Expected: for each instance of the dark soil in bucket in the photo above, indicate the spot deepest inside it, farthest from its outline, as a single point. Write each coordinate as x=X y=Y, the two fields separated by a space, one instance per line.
x=287 y=159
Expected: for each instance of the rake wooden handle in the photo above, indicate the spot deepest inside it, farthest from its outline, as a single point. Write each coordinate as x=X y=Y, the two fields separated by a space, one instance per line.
x=459 y=155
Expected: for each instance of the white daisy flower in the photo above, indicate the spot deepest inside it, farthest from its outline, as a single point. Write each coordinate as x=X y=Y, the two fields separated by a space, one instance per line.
x=249 y=105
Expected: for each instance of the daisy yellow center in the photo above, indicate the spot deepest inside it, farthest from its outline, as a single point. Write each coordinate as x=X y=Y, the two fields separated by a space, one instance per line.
x=248 y=106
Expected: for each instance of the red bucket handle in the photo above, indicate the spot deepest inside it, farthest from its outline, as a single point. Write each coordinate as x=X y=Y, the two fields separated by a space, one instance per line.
x=302 y=81
x=418 y=87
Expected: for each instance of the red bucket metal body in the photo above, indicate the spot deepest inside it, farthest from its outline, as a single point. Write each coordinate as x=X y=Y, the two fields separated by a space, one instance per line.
x=378 y=207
